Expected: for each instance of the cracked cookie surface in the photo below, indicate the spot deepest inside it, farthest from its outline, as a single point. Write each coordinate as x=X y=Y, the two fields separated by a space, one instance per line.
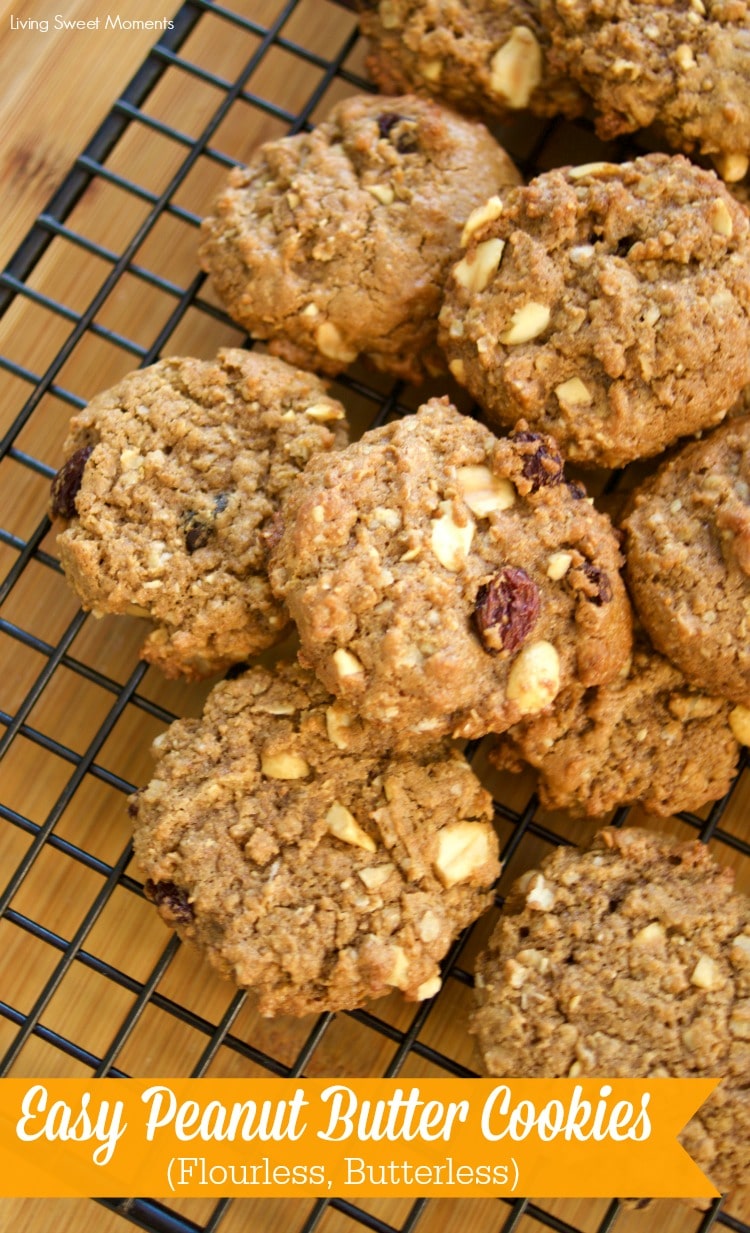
x=607 y=304
x=688 y=560
x=630 y=959
x=479 y=55
x=683 y=65
x=447 y=581
x=648 y=738
x=303 y=860
x=170 y=480
x=337 y=242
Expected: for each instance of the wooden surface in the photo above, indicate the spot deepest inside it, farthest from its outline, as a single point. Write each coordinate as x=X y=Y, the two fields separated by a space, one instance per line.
x=56 y=88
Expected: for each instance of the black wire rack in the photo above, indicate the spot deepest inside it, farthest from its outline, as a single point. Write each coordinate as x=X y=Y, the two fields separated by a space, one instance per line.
x=114 y=235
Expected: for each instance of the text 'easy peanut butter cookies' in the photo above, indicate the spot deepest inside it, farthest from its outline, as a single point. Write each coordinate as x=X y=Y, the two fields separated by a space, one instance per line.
x=480 y=55
x=648 y=738
x=631 y=959
x=445 y=581
x=683 y=66
x=337 y=242
x=607 y=304
x=304 y=861
x=688 y=553
x=171 y=479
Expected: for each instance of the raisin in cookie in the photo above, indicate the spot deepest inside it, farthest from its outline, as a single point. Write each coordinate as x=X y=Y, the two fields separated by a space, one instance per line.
x=648 y=738
x=170 y=480
x=688 y=555
x=631 y=959
x=303 y=860
x=683 y=66
x=480 y=55
x=424 y=568
x=338 y=241
x=608 y=304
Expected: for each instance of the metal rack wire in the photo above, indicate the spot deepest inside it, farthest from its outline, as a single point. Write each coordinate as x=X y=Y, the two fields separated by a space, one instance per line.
x=35 y=398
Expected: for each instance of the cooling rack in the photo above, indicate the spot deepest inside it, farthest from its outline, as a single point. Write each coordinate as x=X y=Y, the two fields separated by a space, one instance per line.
x=107 y=280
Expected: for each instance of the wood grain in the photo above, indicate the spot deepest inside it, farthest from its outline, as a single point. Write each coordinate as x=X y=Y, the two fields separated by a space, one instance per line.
x=56 y=88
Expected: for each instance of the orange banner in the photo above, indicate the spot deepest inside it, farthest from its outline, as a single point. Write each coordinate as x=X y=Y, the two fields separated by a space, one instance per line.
x=559 y=1138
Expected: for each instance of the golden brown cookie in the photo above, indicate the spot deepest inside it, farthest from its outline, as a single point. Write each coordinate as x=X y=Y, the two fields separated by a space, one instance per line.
x=170 y=481
x=607 y=304
x=447 y=581
x=303 y=860
x=688 y=560
x=337 y=242
x=629 y=959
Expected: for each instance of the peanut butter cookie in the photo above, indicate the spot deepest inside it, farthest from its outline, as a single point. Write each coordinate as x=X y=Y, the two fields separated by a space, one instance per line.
x=171 y=479
x=607 y=304
x=337 y=242
x=648 y=738
x=303 y=860
x=445 y=581
x=683 y=66
x=629 y=959
x=688 y=560
x=479 y=55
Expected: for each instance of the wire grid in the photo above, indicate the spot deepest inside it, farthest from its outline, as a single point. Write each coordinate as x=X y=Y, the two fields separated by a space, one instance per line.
x=28 y=553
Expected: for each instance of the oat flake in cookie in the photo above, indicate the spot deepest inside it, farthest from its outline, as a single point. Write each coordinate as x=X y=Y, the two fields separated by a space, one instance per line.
x=607 y=304
x=682 y=65
x=631 y=959
x=480 y=55
x=688 y=560
x=337 y=242
x=303 y=860
x=171 y=479
x=445 y=581
x=648 y=738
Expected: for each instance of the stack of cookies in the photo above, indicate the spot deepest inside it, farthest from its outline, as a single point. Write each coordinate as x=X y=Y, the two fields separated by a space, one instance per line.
x=319 y=832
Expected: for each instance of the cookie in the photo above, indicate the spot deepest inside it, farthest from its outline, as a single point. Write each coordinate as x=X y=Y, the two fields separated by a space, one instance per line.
x=688 y=560
x=170 y=481
x=337 y=242
x=479 y=55
x=607 y=304
x=682 y=66
x=304 y=861
x=631 y=959
x=648 y=738
x=445 y=581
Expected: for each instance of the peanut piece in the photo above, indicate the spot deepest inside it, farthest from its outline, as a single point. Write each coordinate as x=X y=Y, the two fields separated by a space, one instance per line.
x=399 y=972
x=332 y=345
x=652 y=934
x=343 y=825
x=374 y=876
x=382 y=193
x=739 y=722
x=284 y=766
x=558 y=564
x=527 y=322
x=476 y=269
x=346 y=664
x=732 y=166
x=429 y=988
x=322 y=412
x=516 y=68
x=449 y=541
x=534 y=679
x=588 y=169
x=540 y=896
x=707 y=974
x=483 y=492
x=486 y=213
x=574 y=393
x=721 y=219
x=462 y=848
x=338 y=723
